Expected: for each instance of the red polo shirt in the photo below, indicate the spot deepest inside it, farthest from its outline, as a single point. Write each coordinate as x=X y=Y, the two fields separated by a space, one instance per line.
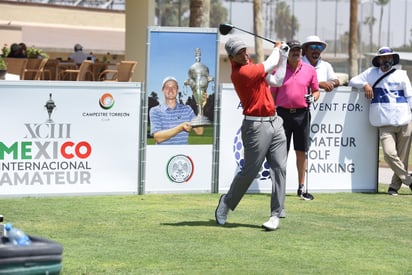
x=253 y=91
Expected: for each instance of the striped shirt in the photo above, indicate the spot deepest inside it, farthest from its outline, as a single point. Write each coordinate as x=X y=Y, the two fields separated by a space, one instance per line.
x=162 y=118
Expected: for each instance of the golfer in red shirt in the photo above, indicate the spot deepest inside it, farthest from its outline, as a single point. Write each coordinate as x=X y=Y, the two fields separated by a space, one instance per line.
x=263 y=135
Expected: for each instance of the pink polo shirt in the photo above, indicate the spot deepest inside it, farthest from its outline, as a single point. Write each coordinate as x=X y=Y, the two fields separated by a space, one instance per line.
x=291 y=94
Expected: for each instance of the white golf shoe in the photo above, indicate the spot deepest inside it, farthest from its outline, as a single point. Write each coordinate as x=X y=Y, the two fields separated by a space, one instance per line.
x=271 y=224
x=221 y=211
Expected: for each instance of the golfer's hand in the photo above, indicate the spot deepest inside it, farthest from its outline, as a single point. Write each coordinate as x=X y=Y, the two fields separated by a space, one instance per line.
x=284 y=49
x=309 y=99
x=368 y=91
x=204 y=99
x=186 y=126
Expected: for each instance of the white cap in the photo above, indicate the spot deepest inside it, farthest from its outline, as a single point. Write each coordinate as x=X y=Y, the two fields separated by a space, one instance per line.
x=169 y=78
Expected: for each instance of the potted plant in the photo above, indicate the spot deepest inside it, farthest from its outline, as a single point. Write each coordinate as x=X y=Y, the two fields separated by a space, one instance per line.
x=3 y=68
x=33 y=52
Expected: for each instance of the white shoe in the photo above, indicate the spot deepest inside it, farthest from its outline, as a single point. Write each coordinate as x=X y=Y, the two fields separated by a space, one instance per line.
x=282 y=214
x=221 y=211
x=271 y=224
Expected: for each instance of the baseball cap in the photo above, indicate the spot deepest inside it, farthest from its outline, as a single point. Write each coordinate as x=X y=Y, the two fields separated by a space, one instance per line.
x=234 y=45
x=169 y=78
x=294 y=44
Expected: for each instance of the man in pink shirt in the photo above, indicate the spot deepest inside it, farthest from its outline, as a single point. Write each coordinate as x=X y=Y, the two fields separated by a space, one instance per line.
x=263 y=135
x=293 y=99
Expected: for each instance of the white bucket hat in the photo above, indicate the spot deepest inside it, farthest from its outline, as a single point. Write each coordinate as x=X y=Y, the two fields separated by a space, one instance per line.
x=385 y=51
x=312 y=39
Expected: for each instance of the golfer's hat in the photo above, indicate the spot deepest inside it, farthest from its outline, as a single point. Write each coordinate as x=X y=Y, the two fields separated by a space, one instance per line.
x=169 y=78
x=234 y=45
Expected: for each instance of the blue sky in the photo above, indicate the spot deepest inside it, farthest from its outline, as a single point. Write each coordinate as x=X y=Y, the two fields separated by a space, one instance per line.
x=171 y=52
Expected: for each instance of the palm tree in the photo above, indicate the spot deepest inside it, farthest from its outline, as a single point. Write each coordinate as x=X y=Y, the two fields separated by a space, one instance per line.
x=283 y=22
x=218 y=13
x=199 y=13
x=257 y=26
x=381 y=3
x=370 y=21
x=353 y=38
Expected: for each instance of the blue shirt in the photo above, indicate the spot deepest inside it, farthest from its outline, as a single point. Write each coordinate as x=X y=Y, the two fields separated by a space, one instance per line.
x=162 y=118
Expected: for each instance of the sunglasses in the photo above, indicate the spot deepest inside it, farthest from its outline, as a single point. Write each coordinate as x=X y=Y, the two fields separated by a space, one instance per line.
x=314 y=47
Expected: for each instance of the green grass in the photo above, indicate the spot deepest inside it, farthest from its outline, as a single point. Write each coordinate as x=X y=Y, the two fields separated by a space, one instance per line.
x=337 y=233
x=206 y=138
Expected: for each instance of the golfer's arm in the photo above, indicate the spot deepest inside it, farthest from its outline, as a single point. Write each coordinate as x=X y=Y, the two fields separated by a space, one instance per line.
x=163 y=135
x=273 y=59
x=276 y=80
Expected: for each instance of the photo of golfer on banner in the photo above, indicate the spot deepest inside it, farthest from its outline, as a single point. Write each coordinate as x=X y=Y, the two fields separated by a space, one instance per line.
x=181 y=110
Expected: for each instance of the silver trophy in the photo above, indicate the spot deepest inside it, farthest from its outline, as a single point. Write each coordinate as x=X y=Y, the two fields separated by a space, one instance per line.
x=198 y=81
x=49 y=107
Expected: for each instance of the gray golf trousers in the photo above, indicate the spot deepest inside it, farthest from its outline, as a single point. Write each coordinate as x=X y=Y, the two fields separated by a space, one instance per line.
x=261 y=140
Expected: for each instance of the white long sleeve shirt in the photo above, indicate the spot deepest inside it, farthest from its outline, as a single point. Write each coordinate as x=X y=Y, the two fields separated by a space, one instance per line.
x=392 y=101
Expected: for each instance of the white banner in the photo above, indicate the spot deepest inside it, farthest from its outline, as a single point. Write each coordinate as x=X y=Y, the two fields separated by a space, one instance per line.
x=178 y=168
x=344 y=151
x=69 y=137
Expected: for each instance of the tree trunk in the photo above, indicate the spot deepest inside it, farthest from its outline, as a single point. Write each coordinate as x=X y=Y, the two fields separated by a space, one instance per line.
x=257 y=26
x=199 y=13
x=353 y=38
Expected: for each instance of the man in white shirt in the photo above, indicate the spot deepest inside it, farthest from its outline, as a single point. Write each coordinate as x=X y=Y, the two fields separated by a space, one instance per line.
x=312 y=49
x=390 y=93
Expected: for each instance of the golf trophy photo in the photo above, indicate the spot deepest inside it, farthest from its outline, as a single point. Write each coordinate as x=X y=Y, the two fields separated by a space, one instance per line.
x=198 y=81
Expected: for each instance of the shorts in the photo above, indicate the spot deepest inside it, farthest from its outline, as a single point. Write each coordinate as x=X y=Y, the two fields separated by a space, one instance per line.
x=296 y=123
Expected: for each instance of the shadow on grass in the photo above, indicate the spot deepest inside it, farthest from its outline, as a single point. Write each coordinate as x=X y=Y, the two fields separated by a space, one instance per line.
x=210 y=223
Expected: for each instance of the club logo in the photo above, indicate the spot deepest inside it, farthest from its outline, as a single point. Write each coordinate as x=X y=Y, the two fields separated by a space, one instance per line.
x=180 y=168
x=106 y=101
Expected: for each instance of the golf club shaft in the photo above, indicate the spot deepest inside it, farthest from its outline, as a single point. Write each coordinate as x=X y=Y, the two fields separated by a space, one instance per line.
x=310 y=197
x=264 y=38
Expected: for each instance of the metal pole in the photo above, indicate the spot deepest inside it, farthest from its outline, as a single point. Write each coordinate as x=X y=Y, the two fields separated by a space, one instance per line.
x=388 y=42
x=336 y=25
x=316 y=17
x=405 y=24
x=293 y=19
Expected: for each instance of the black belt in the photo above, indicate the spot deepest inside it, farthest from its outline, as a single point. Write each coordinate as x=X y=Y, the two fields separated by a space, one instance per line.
x=292 y=110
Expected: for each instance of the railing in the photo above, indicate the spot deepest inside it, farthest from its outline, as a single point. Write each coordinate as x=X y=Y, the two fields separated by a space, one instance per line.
x=97 y=4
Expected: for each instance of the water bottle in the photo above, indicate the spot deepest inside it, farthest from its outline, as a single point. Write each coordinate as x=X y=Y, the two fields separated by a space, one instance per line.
x=16 y=236
x=1 y=228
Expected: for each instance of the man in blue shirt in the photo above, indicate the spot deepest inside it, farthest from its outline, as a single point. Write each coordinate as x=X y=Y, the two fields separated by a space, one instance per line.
x=170 y=121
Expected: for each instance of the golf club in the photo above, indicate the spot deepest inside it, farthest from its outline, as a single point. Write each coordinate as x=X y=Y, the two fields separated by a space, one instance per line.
x=227 y=28
x=306 y=195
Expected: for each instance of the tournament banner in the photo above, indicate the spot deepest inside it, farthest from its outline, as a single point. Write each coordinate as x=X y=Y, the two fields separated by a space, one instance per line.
x=343 y=155
x=190 y=55
x=68 y=137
